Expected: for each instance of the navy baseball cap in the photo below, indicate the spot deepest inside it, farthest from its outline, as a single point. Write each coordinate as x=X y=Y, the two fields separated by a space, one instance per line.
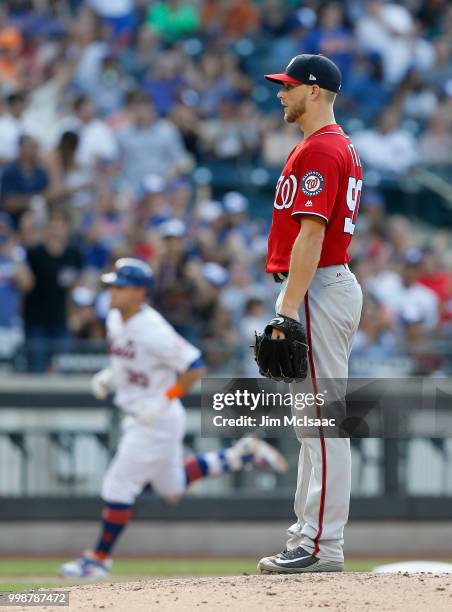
x=310 y=70
x=129 y=272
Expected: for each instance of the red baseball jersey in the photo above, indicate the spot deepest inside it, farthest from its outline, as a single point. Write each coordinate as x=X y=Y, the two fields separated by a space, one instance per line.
x=322 y=177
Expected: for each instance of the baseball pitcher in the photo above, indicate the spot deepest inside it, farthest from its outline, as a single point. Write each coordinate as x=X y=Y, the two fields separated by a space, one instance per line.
x=318 y=310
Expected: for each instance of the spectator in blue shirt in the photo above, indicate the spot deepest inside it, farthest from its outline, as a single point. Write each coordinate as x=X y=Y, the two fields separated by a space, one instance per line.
x=364 y=93
x=15 y=279
x=164 y=85
x=22 y=179
x=332 y=38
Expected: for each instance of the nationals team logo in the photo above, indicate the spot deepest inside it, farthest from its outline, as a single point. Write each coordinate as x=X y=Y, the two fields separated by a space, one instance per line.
x=312 y=183
x=286 y=189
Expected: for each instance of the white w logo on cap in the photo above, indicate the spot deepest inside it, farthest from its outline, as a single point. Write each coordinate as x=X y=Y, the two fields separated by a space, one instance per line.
x=312 y=77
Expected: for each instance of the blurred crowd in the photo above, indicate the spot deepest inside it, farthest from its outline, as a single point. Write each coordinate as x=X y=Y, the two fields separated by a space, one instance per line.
x=407 y=286
x=111 y=113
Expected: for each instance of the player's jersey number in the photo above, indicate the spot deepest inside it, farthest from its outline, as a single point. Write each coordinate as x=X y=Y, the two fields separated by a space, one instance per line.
x=137 y=378
x=353 y=197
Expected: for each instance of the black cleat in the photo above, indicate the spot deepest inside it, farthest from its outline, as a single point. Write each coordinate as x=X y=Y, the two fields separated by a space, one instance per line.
x=297 y=561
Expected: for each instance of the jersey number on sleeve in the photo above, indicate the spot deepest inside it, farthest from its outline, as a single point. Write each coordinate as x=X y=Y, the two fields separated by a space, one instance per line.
x=353 y=197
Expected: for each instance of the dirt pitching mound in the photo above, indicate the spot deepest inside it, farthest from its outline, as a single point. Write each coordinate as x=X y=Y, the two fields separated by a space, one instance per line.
x=350 y=592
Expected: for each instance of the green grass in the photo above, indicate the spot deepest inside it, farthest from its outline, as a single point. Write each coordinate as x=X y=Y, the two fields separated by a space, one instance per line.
x=29 y=586
x=16 y=571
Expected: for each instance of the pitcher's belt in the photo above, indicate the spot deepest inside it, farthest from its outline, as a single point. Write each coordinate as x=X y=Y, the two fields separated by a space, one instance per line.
x=280 y=277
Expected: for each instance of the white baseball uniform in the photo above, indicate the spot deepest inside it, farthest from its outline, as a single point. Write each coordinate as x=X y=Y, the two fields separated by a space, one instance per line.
x=146 y=355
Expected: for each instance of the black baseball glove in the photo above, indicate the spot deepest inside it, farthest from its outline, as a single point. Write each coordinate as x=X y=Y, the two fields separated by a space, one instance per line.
x=283 y=359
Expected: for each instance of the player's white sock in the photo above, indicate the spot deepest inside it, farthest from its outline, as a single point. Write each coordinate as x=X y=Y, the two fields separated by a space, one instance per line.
x=215 y=463
x=226 y=460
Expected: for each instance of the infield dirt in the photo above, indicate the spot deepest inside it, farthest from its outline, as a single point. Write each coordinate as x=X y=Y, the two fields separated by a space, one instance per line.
x=348 y=592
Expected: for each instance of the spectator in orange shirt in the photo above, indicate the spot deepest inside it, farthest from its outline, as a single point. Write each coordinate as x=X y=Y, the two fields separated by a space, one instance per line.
x=11 y=44
x=242 y=18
